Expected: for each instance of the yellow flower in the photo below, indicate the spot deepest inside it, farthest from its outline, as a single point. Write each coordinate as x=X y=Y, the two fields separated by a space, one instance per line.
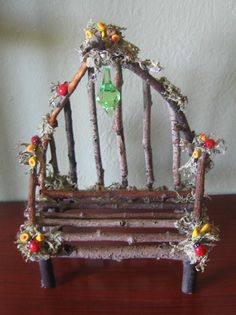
x=195 y=232
x=88 y=34
x=40 y=237
x=24 y=237
x=103 y=34
x=101 y=26
x=32 y=161
x=197 y=153
x=205 y=228
x=30 y=148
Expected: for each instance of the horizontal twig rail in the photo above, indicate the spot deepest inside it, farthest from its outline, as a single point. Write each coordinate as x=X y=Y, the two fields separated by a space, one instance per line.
x=122 y=237
x=136 y=223
x=120 y=206
x=163 y=195
x=119 y=253
x=112 y=215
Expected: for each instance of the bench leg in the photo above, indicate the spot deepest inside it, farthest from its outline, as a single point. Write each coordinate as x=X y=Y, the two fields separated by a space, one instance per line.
x=189 y=277
x=47 y=274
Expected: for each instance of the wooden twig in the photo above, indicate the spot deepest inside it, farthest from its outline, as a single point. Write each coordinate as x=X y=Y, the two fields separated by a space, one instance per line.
x=72 y=85
x=53 y=160
x=199 y=192
x=70 y=143
x=42 y=168
x=130 y=238
x=31 y=197
x=175 y=147
x=123 y=252
x=85 y=214
x=147 y=100
x=115 y=206
x=147 y=223
x=155 y=84
x=118 y=128
x=95 y=132
x=161 y=195
x=77 y=77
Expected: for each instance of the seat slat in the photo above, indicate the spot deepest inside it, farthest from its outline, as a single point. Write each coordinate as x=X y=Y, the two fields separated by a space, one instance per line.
x=122 y=237
x=112 y=215
x=163 y=195
x=148 y=223
x=119 y=253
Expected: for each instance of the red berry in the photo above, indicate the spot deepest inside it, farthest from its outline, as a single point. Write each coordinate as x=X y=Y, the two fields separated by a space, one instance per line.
x=62 y=89
x=35 y=140
x=34 y=246
x=200 y=249
x=210 y=143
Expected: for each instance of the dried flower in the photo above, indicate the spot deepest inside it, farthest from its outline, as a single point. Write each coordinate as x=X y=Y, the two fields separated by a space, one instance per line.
x=40 y=237
x=32 y=161
x=24 y=237
x=88 y=34
x=197 y=153
x=30 y=148
x=101 y=26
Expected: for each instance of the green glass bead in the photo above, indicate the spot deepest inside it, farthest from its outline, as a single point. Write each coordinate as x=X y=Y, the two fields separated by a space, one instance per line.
x=108 y=96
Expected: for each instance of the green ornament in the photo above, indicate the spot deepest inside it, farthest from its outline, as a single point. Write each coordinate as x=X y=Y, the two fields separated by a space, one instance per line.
x=108 y=96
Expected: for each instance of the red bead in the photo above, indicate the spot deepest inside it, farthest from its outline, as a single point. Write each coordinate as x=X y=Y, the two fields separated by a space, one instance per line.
x=200 y=249
x=35 y=140
x=210 y=143
x=34 y=246
x=62 y=89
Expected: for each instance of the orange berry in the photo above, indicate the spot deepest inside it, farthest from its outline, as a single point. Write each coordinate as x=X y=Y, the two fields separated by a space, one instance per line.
x=115 y=38
x=101 y=26
x=203 y=137
x=30 y=148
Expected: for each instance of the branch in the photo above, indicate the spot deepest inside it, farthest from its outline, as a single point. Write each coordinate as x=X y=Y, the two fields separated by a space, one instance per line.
x=118 y=128
x=175 y=147
x=70 y=142
x=95 y=132
x=147 y=100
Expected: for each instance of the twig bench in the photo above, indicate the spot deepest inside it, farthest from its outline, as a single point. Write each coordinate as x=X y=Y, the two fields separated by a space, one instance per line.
x=121 y=222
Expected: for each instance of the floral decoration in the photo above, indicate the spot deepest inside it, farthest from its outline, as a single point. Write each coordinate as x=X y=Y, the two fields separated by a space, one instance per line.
x=30 y=155
x=59 y=91
x=104 y=44
x=200 y=239
x=201 y=143
x=35 y=244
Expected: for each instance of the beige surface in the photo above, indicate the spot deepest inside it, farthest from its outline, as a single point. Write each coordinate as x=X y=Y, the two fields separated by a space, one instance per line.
x=194 y=40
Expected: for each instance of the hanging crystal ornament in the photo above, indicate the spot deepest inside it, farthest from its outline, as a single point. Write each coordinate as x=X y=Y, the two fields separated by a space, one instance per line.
x=108 y=96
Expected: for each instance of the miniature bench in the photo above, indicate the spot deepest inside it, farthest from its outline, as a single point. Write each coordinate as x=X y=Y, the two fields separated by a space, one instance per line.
x=121 y=221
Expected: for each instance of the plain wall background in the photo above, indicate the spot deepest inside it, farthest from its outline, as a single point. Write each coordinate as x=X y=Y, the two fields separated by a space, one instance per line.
x=194 y=40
